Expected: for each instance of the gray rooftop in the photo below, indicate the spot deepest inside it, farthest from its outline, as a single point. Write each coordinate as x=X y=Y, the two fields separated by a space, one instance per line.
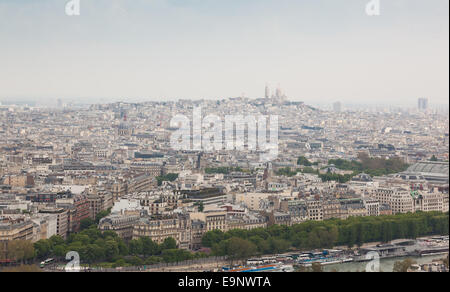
x=440 y=168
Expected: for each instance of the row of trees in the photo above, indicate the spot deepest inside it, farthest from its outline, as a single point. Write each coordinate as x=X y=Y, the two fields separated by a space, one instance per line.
x=286 y=171
x=302 y=160
x=372 y=166
x=167 y=177
x=223 y=170
x=109 y=250
x=21 y=251
x=366 y=164
x=340 y=178
x=324 y=234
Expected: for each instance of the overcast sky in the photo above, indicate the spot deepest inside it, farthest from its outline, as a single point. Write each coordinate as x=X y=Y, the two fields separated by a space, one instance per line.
x=133 y=50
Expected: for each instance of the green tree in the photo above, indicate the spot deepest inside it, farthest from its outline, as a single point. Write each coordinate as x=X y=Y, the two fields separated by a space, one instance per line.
x=120 y=263
x=123 y=248
x=60 y=251
x=135 y=261
x=212 y=237
x=110 y=250
x=42 y=248
x=91 y=253
x=167 y=177
x=81 y=237
x=237 y=248
x=176 y=255
x=302 y=160
x=153 y=260
x=20 y=250
x=149 y=247
x=169 y=243
x=56 y=240
x=278 y=245
x=86 y=223
x=135 y=247
x=313 y=240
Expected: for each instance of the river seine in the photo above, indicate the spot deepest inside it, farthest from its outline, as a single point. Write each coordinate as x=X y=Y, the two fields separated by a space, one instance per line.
x=386 y=265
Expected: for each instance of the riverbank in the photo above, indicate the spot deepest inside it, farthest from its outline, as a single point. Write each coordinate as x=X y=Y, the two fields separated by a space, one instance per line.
x=386 y=265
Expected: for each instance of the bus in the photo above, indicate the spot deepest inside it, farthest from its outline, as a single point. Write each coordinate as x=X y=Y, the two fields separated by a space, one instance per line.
x=262 y=261
x=46 y=262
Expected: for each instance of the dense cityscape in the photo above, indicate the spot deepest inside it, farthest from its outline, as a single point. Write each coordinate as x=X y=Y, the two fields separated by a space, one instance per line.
x=205 y=144
x=104 y=181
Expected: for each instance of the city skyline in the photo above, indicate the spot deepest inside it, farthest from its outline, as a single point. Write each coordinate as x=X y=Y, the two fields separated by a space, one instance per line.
x=319 y=52
x=224 y=136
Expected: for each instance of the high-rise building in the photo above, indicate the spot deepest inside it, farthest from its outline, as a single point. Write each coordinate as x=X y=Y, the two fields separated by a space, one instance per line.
x=278 y=93
x=423 y=104
x=267 y=93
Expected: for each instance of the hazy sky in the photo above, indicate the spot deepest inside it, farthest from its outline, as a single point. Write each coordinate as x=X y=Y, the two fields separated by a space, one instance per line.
x=318 y=50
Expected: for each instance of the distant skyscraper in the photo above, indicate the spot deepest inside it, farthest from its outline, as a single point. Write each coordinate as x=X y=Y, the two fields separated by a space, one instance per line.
x=423 y=104
x=279 y=93
x=267 y=91
x=337 y=106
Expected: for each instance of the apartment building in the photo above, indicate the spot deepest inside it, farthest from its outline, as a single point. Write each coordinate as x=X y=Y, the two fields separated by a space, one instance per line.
x=372 y=206
x=62 y=219
x=315 y=210
x=123 y=225
x=99 y=201
x=14 y=228
x=157 y=228
x=331 y=209
x=430 y=201
x=400 y=200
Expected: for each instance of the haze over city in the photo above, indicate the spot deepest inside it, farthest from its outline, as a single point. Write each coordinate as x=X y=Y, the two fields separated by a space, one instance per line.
x=318 y=51
x=265 y=137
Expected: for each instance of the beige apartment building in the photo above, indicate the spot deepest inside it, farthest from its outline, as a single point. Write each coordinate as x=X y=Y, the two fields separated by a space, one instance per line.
x=14 y=228
x=400 y=200
x=214 y=220
x=123 y=225
x=246 y=222
x=429 y=202
x=157 y=228
x=331 y=209
x=62 y=220
x=315 y=210
x=19 y=180
x=18 y=228
x=372 y=206
x=404 y=201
